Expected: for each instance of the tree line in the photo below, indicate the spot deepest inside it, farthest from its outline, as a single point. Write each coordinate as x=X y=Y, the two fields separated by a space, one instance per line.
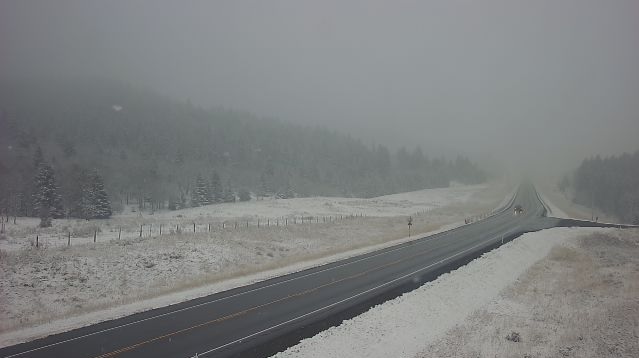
x=162 y=153
x=610 y=184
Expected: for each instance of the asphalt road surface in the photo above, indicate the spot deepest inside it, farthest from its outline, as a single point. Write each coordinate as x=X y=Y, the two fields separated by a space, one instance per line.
x=264 y=318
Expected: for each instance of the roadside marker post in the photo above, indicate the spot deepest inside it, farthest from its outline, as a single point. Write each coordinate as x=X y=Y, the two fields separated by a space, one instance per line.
x=410 y=223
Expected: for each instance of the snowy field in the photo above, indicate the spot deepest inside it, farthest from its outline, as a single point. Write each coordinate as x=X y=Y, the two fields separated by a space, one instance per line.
x=579 y=301
x=54 y=288
x=268 y=212
x=565 y=292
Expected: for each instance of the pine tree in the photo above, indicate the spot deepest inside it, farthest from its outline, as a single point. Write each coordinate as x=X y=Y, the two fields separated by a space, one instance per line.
x=101 y=203
x=200 y=194
x=95 y=202
x=229 y=194
x=47 y=202
x=217 y=192
x=244 y=195
x=264 y=188
x=287 y=191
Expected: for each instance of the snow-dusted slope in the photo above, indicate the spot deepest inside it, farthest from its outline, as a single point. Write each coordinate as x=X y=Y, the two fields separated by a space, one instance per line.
x=404 y=326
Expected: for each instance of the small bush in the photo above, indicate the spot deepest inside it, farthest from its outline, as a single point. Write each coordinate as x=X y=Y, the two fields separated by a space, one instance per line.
x=514 y=337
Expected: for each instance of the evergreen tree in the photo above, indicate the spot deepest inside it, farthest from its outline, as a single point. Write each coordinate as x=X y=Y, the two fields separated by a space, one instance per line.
x=287 y=191
x=264 y=188
x=47 y=202
x=101 y=204
x=95 y=202
x=200 y=194
x=216 y=193
x=244 y=195
x=229 y=194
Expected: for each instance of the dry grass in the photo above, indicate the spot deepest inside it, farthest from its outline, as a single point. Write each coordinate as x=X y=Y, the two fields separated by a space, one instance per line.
x=63 y=282
x=580 y=301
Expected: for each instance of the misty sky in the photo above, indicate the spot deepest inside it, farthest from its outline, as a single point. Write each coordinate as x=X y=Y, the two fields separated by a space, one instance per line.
x=535 y=82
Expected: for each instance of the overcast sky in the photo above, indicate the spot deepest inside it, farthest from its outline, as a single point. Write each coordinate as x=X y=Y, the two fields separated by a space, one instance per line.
x=538 y=82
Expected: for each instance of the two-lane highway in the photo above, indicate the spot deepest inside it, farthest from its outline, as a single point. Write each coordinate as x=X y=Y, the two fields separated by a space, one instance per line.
x=265 y=317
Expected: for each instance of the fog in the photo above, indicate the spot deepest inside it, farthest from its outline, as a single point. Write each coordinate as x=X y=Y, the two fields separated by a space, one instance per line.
x=535 y=85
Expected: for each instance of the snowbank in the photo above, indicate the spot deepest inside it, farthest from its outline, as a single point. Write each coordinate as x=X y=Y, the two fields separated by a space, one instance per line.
x=404 y=326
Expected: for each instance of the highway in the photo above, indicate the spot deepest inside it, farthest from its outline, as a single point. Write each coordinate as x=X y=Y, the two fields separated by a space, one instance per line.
x=266 y=317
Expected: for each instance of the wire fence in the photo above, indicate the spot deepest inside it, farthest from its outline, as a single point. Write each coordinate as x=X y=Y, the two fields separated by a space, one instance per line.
x=102 y=233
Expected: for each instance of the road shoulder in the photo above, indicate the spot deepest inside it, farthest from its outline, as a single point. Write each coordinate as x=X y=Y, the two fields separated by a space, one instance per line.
x=580 y=300
x=406 y=325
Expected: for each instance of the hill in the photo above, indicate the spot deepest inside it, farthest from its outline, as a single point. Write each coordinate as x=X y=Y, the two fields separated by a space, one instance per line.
x=160 y=152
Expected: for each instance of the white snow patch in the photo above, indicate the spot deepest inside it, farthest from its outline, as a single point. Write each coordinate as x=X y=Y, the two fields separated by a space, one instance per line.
x=554 y=210
x=404 y=326
x=269 y=211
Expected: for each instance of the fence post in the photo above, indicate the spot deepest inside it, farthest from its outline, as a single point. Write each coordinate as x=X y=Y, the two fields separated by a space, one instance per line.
x=210 y=227
x=141 y=230
x=286 y=223
x=69 y=239
x=150 y=226
x=268 y=222
x=160 y=229
x=37 y=241
x=177 y=228
x=223 y=224
x=95 y=234
x=193 y=227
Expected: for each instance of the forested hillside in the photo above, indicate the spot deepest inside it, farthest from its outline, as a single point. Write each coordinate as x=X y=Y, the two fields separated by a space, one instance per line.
x=611 y=184
x=137 y=146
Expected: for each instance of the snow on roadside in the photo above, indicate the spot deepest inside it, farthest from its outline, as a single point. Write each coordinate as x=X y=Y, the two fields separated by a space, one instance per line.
x=54 y=289
x=22 y=235
x=404 y=326
x=388 y=205
x=554 y=210
x=579 y=301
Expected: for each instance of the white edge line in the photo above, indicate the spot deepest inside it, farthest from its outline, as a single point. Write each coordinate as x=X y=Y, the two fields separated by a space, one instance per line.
x=341 y=301
x=433 y=237
x=400 y=246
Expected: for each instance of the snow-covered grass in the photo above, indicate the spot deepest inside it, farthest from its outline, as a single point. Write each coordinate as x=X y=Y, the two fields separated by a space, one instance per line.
x=579 y=301
x=55 y=288
x=403 y=327
x=272 y=212
x=562 y=206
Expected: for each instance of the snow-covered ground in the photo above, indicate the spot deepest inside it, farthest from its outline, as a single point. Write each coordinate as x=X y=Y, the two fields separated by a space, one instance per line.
x=405 y=326
x=271 y=212
x=55 y=288
x=579 y=301
x=563 y=207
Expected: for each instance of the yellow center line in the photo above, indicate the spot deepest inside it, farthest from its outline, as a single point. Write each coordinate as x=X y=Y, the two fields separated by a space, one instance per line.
x=241 y=313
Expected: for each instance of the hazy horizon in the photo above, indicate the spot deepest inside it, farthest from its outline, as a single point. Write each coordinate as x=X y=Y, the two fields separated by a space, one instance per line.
x=537 y=85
